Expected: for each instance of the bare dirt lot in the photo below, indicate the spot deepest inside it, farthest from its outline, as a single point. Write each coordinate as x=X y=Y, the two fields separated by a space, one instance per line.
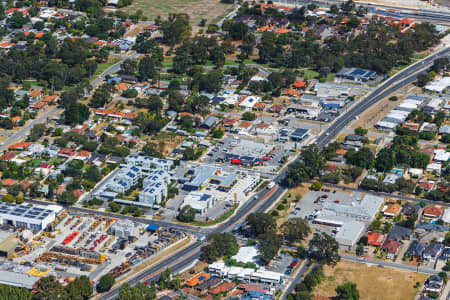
x=212 y=10
x=374 y=114
x=372 y=281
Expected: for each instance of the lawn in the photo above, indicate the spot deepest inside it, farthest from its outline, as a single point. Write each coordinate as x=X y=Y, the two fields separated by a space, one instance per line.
x=372 y=281
x=211 y=10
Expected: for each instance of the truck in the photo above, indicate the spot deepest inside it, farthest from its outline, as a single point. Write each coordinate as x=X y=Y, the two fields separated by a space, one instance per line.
x=271 y=185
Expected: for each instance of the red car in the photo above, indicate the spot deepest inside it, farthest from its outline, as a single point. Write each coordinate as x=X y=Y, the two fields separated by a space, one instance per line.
x=336 y=201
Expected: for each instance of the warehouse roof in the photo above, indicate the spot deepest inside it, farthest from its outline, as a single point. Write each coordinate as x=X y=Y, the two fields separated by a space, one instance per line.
x=18 y=279
x=32 y=212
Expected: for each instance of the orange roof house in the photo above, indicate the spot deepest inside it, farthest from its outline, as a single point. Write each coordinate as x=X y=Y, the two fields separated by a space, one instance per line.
x=282 y=30
x=341 y=151
x=36 y=94
x=229 y=122
x=374 y=238
x=122 y=86
x=38 y=105
x=199 y=278
x=432 y=212
x=392 y=209
x=224 y=287
x=245 y=124
x=8 y=182
x=406 y=22
x=50 y=98
x=299 y=84
x=20 y=146
x=291 y=92
x=66 y=152
x=16 y=119
x=260 y=106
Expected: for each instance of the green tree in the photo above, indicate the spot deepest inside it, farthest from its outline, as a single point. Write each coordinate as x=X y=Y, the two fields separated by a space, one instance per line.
x=186 y=214
x=325 y=249
x=317 y=185
x=105 y=283
x=260 y=223
x=295 y=230
x=219 y=244
x=347 y=291
x=137 y=292
x=8 y=198
x=218 y=133
x=270 y=244
x=249 y=116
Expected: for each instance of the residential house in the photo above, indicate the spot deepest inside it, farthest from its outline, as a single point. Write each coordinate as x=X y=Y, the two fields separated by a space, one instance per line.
x=433 y=212
x=434 y=283
x=392 y=209
x=374 y=238
x=399 y=233
x=415 y=250
x=391 y=247
x=432 y=252
x=409 y=209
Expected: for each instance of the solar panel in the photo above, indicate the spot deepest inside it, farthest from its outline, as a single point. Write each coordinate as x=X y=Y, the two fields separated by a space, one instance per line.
x=29 y=216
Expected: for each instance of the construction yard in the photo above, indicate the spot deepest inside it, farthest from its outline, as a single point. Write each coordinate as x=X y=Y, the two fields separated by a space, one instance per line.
x=211 y=10
x=75 y=245
x=373 y=282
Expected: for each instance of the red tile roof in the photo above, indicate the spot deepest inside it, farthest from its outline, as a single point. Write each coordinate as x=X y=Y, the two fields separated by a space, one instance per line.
x=20 y=146
x=433 y=211
x=391 y=246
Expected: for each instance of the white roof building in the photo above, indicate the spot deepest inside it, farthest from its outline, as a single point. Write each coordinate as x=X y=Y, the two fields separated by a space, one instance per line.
x=415 y=172
x=199 y=201
x=245 y=274
x=349 y=234
x=434 y=167
x=446 y=216
x=250 y=101
x=438 y=85
x=247 y=255
x=441 y=155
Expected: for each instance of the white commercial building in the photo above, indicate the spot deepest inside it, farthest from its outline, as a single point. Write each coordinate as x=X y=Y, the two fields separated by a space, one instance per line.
x=199 y=201
x=32 y=217
x=349 y=234
x=149 y=162
x=245 y=274
x=123 y=229
x=155 y=187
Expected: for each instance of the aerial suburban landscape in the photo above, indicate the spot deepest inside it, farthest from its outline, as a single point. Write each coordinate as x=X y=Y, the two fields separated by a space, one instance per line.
x=224 y=149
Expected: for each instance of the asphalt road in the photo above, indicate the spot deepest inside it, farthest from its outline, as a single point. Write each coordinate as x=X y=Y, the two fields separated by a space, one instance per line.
x=22 y=133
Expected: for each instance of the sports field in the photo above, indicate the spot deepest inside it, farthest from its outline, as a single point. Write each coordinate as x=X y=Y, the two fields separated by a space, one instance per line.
x=211 y=10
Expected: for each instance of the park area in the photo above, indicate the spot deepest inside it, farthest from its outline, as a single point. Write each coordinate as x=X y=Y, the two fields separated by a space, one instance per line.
x=211 y=10
x=373 y=282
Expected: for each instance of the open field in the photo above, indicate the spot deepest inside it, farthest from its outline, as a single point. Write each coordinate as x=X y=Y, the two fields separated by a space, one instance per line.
x=372 y=281
x=212 y=10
